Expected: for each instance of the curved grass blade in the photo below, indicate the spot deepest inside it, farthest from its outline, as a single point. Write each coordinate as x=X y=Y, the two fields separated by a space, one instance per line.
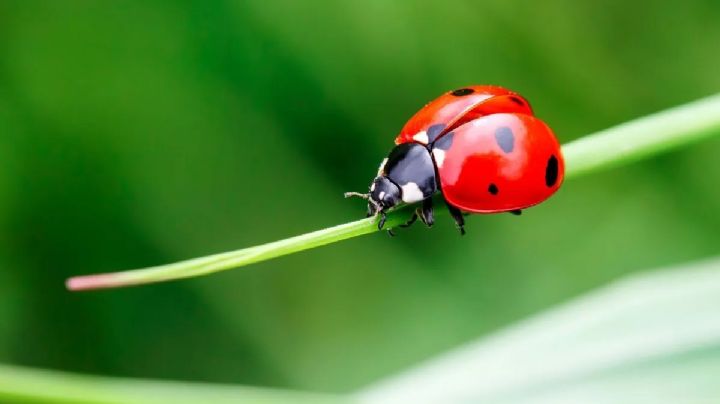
x=624 y=143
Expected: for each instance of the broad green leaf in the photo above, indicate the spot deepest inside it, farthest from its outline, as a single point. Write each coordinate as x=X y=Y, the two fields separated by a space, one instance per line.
x=653 y=337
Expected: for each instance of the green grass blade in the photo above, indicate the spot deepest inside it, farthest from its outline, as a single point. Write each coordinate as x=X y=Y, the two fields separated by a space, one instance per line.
x=25 y=385
x=232 y=259
x=643 y=137
x=621 y=144
x=653 y=337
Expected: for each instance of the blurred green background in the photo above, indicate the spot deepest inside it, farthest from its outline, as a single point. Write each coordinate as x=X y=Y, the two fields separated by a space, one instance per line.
x=138 y=133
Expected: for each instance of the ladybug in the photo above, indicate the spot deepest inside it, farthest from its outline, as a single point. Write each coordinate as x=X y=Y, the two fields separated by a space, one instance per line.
x=480 y=147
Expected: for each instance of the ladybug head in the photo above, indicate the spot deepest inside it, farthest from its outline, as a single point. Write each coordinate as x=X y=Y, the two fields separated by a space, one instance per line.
x=384 y=194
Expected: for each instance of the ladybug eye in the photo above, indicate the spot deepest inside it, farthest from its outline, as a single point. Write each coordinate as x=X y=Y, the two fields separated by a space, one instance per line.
x=462 y=91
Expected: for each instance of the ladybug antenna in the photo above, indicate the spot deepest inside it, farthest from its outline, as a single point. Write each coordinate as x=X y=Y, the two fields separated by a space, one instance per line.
x=357 y=194
x=374 y=207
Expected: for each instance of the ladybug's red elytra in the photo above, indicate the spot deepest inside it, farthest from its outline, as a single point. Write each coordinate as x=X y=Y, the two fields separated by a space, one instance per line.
x=481 y=147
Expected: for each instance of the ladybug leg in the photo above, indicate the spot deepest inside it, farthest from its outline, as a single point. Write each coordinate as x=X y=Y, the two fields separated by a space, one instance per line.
x=458 y=217
x=426 y=212
x=411 y=221
x=383 y=218
x=516 y=212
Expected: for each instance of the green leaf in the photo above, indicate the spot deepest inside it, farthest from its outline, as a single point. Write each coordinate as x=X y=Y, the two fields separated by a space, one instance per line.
x=625 y=143
x=24 y=385
x=652 y=337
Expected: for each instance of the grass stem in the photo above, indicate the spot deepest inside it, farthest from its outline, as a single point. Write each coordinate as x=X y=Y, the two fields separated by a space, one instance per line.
x=628 y=142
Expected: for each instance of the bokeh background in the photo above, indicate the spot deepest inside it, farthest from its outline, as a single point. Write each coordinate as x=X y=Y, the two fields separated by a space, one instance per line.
x=135 y=133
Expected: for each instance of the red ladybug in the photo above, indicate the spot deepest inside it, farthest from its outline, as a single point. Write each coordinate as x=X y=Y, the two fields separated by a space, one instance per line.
x=481 y=147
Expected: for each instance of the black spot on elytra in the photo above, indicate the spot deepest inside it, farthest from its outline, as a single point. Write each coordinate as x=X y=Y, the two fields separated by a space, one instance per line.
x=462 y=91
x=434 y=131
x=551 y=171
x=493 y=189
x=517 y=100
x=444 y=142
x=505 y=138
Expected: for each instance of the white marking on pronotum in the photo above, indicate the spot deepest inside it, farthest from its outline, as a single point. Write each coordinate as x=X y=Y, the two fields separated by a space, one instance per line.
x=382 y=167
x=372 y=186
x=411 y=193
x=421 y=137
x=439 y=155
x=382 y=195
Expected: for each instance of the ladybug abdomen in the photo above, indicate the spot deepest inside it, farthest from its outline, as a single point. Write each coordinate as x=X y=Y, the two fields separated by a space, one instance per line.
x=499 y=162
